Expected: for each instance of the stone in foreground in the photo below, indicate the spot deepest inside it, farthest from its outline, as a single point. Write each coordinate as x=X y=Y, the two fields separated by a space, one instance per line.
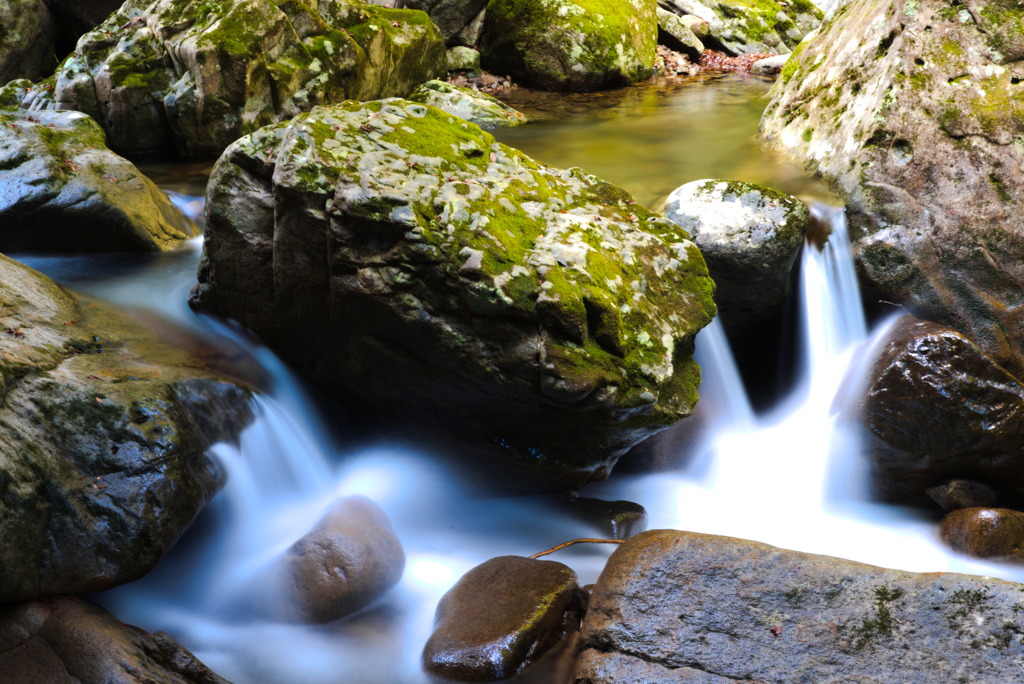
x=408 y=263
x=501 y=617
x=676 y=607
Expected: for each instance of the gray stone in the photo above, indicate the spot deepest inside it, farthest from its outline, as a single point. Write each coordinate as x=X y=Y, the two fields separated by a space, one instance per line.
x=675 y=606
x=698 y=26
x=676 y=35
x=769 y=66
x=479 y=108
x=463 y=59
x=750 y=236
x=27 y=31
x=743 y=27
x=451 y=16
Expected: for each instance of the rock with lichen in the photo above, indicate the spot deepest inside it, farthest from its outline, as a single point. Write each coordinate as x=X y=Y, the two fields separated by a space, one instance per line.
x=914 y=113
x=479 y=108
x=62 y=190
x=191 y=76
x=103 y=437
x=676 y=35
x=675 y=606
x=741 y=27
x=404 y=260
x=570 y=44
x=27 y=32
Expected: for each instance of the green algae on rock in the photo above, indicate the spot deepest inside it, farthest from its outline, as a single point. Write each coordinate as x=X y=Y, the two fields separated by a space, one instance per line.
x=62 y=190
x=194 y=75
x=752 y=26
x=103 y=433
x=404 y=260
x=914 y=113
x=571 y=44
x=479 y=108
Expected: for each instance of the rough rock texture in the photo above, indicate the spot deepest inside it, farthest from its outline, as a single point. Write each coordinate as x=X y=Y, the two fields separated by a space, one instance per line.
x=349 y=559
x=675 y=606
x=194 y=76
x=571 y=44
x=743 y=27
x=957 y=494
x=769 y=66
x=985 y=532
x=935 y=407
x=62 y=190
x=501 y=617
x=914 y=113
x=27 y=31
x=103 y=433
x=405 y=261
x=68 y=640
x=675 y=34
x=462 y=58
x=472 y=105
x=451 y=16
x=750 y=236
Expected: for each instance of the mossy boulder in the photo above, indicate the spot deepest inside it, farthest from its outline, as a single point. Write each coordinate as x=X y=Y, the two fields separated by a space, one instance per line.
x=103 y=438
x=27 y=33
x=405 y=261
x=69 y=639
x=451 y=16
x=750 y=236
x=61 y=189
x=192 y=76
x=751 y=26
x=571 y=44
x=472 y=105
x=675 y=606
x=501 y=617
x=914 y=113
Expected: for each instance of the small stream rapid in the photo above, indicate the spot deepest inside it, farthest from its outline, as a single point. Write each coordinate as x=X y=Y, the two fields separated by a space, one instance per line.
x=788 y=477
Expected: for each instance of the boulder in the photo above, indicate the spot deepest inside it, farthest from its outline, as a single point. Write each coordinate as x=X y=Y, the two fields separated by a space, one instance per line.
x=408 y=263
x=462 y=58
x=103 y=438
x=985 y=532
x=750 y=236
x=675 y=606
x=62 y=190
x=741 y=27
x=935 y=407
x=479 y=108
x=913 y=112
x=68 y=640
x=570 y=44
x=957 y=494
x=769 y=66
x=348 y=560
x=676 y=35
x=451 y=16
x=190 y=77
x=501 y=617
x=27 y=32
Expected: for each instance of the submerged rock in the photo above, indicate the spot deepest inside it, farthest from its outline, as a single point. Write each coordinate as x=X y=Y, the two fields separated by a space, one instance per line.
x=913 y=112
x=675 y=606
x=27 y=32
x=750 y=236
x=742 y=27
x=406 y=262
x=103 y=438
x=936 y=407
x=62 y=190
x=71 y=640
x=479 y=108
x=193 y=77
x=501 y=617
x=985 y=532
x=571 y=44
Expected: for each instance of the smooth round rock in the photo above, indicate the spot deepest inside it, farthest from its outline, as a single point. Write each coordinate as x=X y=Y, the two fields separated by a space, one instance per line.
x=985 y=532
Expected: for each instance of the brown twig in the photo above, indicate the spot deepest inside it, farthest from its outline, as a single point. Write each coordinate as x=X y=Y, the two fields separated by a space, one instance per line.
x=577 y=541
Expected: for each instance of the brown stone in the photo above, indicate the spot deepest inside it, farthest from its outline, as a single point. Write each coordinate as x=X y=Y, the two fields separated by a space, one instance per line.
x=985 y=532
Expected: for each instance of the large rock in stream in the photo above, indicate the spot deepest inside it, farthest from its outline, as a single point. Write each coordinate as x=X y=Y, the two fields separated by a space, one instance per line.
x=103 y=434
x=404 y=261
x=192 y=77
x=914 y=112
x=674 y=607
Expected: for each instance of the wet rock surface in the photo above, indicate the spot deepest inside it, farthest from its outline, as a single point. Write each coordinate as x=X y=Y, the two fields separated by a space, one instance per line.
x=103 y=433
x=479 y=108
x=674 y=606
x=68 y=640
x=750 y=236
x=501 y=617
x=62 y=190
x=740 y=27
x=539 y=316
x=612 y=519
x=570 y=45
x=191 y=77
x=936 y=408
x=985 y=532
x=27 y=33
x=957 y=494
x=913 y=113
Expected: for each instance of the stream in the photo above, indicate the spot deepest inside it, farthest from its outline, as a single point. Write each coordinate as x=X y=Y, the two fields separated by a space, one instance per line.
x=788 y=476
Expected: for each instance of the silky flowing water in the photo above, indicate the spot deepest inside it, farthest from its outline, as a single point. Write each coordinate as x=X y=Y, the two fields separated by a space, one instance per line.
x=789 y=477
